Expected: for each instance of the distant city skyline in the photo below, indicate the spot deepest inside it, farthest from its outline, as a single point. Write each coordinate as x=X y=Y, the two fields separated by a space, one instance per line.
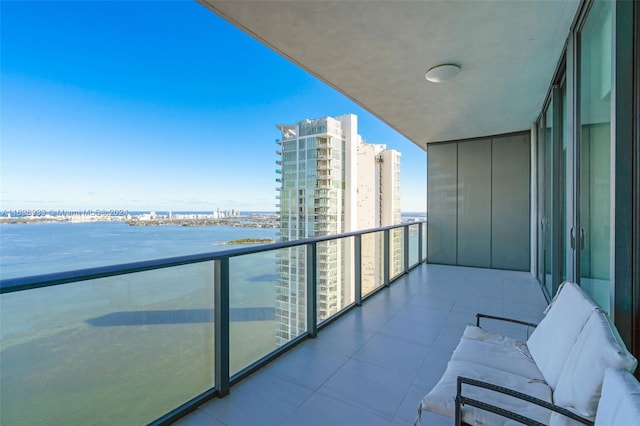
x=124 y=105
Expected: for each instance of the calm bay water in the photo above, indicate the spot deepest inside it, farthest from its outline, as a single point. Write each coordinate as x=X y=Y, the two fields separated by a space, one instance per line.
x=39 y=248
x=124 y=349
x=99 y=351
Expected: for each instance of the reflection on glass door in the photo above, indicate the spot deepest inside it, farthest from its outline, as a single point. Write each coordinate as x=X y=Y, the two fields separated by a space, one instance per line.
x=541 y=211
x=555 y=218
x=545 y=193
x=548 y=197
x=566 y=218
x=593 y=237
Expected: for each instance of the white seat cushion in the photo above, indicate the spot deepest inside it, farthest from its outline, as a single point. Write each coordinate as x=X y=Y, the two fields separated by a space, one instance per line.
x=478 y=333
x=597 y=348
x=441 y=399
x=620 y=401
x=553 y=339
x=496 y=351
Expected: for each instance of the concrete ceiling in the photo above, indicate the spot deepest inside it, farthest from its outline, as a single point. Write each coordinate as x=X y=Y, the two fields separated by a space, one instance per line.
x=377 y=54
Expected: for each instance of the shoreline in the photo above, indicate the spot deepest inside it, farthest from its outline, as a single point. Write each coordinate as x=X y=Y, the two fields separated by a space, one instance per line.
x=243 y=222
x=242 y=241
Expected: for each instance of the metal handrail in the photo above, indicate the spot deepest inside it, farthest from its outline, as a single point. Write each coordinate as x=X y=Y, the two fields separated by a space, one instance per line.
x=462 y=400
x=11 y=285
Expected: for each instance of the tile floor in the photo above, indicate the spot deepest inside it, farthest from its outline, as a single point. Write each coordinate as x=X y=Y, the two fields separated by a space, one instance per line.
x=373 y=365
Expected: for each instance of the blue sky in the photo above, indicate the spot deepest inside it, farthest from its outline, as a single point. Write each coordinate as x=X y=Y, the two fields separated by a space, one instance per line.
x=154 y=106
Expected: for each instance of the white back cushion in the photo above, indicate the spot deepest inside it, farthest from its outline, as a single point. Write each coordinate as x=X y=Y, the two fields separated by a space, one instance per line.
x=620 y=401
x=598 y=347
x=552 y=340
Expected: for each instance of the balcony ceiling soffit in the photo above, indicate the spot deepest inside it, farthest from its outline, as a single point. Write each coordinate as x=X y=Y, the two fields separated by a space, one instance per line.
x=377 y=54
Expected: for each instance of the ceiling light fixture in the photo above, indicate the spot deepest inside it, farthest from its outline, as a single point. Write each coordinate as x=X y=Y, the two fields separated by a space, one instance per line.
x=441 y=73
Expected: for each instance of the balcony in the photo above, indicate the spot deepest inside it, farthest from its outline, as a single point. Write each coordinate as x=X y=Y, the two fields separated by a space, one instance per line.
x=194 y=324
x=174 y=332
x=326 y=173
x=323 y=184
x=372 y=365
x=131 y=328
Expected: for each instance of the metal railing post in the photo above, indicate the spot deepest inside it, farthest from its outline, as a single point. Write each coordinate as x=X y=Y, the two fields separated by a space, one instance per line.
x=406 y=249
x=357 y=269
x=420 y=259
x=221 y=325
x=312 y=290
x=387 y=272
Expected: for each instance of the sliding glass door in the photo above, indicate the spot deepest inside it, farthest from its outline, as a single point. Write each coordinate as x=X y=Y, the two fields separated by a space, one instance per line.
x=593 y=239
x=554 y=216
x=586 y=220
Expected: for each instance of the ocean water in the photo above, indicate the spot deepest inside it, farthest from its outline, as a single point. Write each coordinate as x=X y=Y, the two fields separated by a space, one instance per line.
x=40 y=248
x=124 y=349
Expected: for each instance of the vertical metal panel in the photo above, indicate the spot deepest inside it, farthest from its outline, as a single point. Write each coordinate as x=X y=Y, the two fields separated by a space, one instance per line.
x=570 y=173
x=405 y=259
x=221 y=326
x=387 y=264
x=510 y=202
x=474 y=203
x=577 y=143
x=556 y=146
x=420 y=254
x=312 y=290
x=541 y=213
x=357 y=254
x=622 y=133
x=635 y=347
x=534 y=202
x=442 y=203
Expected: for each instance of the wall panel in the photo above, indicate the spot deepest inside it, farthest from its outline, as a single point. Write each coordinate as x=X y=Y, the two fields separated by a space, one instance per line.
x=442 y=205
x=474 y=203
x=510 y=202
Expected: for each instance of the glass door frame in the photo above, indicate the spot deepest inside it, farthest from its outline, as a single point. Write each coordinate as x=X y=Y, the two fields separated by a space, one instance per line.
x=635 y=302
x=551 y=226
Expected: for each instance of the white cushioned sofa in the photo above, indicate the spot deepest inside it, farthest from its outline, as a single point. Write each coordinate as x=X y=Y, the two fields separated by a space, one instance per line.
x=554 y=378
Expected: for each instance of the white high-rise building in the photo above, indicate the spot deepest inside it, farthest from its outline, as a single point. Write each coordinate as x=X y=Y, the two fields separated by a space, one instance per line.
x=330 y=182
x=378 y=204
x=378 y=198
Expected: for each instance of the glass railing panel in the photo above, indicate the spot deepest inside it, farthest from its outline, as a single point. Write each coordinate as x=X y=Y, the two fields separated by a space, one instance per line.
x=424 y=241
x=119 y=350
x=372 y=268
x=396 y=252
x=413 y=245
x=335 y=277
x=267 y=303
